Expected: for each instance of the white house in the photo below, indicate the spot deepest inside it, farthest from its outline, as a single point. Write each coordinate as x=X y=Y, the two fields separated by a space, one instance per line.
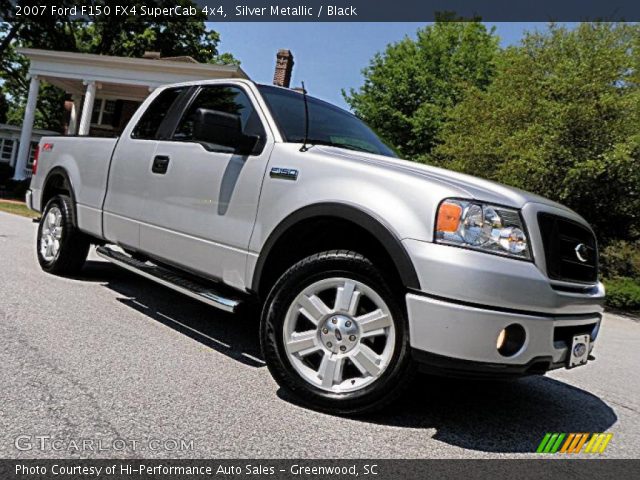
x=105 y=91
x=10 y=140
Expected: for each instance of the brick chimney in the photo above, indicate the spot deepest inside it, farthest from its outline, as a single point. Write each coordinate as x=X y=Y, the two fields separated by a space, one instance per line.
x=284 y=67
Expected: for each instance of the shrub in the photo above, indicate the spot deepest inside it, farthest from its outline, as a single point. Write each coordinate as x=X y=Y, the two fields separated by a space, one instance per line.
x=560 y=119
x=623 y=293
x=6 y=172
x=621 y=259
x=17 y=189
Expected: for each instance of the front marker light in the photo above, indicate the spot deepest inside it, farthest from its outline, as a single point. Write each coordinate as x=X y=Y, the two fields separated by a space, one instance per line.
x=483 y=227
x=449 y=217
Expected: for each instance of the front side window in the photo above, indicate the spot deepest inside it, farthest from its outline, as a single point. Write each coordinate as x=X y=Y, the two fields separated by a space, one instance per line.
x=225 y=99
x=328 y=124
x=149 y=124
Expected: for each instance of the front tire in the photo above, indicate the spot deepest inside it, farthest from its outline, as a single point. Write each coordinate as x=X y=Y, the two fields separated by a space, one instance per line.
x=62 y=249
x=333 y=334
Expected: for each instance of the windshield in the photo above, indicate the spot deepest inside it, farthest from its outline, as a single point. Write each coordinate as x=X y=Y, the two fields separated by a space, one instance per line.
x=328 y=125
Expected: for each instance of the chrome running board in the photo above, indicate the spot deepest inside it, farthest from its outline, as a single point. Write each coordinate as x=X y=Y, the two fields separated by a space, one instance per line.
x=169 y=278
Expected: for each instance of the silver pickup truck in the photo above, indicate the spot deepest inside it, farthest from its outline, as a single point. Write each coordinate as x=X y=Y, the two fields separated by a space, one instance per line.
x=365 y=266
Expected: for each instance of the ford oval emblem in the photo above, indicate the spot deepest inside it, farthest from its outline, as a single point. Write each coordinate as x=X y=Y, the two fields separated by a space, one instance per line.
x=580 y=349
x=582 y=252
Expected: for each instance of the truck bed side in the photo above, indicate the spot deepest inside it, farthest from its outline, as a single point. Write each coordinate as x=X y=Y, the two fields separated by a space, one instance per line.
x=85 y=162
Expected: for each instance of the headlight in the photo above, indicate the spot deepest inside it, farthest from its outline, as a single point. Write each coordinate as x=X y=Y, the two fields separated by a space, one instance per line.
x=479 y=226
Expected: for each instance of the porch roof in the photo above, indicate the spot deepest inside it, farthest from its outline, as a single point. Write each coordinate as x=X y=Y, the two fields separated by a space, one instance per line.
x=118 y=77
x=14 y=131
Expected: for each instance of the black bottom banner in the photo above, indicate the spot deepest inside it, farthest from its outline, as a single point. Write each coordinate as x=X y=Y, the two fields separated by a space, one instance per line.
x=65 y=469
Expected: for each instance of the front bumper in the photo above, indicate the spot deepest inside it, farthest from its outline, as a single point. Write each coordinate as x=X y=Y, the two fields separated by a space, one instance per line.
x=452 y=337
x=468 y=297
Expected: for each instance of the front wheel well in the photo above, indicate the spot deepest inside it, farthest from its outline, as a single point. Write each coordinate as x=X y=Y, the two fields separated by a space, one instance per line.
x=319 y=234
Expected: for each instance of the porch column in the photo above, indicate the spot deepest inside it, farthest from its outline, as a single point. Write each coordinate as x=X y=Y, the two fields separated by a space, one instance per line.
x=14 y=150
x=87 y=108
x=73 y=119
x=27 y=129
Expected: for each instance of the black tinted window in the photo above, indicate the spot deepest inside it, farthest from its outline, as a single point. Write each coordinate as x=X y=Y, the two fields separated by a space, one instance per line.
x=149 y=123
x=328 y=124
x=224 y=99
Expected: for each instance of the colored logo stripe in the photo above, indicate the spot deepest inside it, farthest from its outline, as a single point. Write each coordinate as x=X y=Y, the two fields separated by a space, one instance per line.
x=598 y=442
x=574 y=442
x=550 y=443
x=567 y=443
x=543 y=443
x=556 y=445
x=580 y=443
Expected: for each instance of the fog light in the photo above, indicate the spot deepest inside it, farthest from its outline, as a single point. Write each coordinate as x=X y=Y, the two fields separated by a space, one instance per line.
x=511 y=340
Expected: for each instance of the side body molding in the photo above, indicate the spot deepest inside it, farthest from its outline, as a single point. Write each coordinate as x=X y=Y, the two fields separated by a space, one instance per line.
x=375 y=226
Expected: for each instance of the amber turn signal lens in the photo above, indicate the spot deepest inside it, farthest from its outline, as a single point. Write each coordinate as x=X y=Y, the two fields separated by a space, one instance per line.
x=448 y=217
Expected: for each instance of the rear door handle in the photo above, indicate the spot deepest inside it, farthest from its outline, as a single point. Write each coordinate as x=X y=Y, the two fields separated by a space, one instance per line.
x=160 y=164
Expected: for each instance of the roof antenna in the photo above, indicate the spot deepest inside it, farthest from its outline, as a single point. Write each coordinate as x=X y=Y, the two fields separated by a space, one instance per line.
x=304 y=147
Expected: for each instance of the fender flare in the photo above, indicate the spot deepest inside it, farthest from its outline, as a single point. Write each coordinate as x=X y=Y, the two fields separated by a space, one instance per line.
x=371 y=223
x=62 y=172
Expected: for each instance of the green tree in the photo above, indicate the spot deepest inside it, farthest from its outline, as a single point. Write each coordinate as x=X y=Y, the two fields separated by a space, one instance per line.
x=107 y=35
x=561 y=119
x=133 y=35
x=409 y=88
x=4 y=107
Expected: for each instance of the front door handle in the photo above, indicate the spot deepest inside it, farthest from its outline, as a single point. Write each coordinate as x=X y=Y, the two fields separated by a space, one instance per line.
x=160 y=164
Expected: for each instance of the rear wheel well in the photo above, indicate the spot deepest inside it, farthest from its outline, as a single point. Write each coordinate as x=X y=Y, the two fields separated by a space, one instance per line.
x=319 y=234
x=56 y=184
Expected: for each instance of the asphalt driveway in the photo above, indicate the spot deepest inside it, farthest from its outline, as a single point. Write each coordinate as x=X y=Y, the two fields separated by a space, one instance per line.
x=112 y=356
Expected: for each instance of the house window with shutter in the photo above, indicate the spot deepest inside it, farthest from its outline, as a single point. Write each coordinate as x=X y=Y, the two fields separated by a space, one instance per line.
x=103 y=114
x=6 y=149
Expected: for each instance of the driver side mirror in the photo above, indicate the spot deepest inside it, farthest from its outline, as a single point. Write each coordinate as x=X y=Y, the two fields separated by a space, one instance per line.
x=225 y=129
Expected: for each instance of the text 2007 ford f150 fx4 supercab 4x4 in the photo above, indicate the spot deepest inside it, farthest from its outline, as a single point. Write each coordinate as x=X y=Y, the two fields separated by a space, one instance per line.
x=365 y=266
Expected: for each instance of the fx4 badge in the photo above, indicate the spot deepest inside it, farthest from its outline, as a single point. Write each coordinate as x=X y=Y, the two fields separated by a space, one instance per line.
x=286 y=173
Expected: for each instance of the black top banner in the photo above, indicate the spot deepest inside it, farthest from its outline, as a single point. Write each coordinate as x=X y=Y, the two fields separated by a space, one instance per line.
x=331 y=10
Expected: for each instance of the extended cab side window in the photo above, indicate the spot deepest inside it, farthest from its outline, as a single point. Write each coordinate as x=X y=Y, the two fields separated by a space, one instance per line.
x=149 y=124
x=225 y=99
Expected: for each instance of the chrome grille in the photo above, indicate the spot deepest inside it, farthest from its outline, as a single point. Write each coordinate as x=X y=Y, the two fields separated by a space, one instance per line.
x=570 y=249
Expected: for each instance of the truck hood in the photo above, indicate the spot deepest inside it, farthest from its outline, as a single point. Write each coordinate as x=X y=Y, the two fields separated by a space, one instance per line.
x=465 y=186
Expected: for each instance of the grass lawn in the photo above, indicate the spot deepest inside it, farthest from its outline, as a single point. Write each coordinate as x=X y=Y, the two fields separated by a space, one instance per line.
x=17 y=208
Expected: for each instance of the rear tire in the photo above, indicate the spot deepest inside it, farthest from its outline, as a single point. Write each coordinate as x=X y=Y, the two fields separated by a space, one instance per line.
x=333 y=334
x=61 y=248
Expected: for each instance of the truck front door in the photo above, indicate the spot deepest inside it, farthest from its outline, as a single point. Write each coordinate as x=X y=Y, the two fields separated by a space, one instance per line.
x=202 y=200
